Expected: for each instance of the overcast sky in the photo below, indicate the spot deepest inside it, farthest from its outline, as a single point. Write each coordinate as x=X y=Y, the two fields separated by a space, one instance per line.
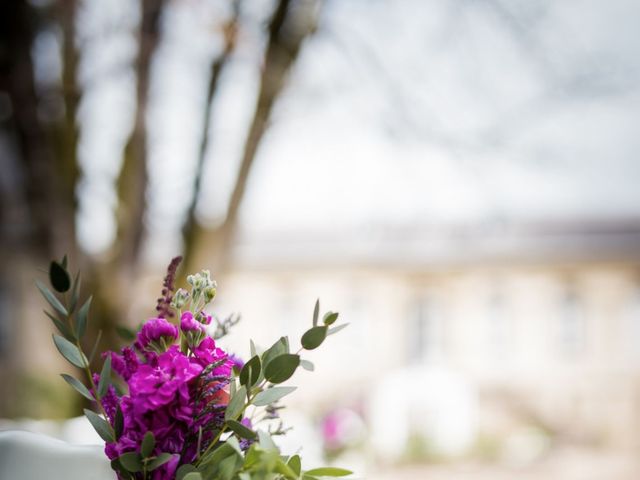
x=398 y=112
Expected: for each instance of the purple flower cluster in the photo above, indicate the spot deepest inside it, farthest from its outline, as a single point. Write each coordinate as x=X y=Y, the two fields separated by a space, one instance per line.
x=171 y=392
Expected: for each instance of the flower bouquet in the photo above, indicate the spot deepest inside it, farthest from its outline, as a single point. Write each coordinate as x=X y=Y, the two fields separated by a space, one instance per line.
x=178 y=406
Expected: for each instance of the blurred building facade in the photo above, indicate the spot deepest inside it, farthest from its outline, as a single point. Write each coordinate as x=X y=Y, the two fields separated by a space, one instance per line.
x=540 y=321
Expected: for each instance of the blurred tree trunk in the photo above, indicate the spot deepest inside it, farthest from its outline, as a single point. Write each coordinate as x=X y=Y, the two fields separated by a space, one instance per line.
x=134 y=176
x=291 y=23
x=230 y=32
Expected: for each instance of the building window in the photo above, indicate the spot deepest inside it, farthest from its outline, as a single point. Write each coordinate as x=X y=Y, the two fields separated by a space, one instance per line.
x=572 y=332
x=426 y=331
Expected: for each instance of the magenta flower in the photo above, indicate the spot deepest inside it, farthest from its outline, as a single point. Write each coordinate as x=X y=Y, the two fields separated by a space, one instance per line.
x=189 y=324
x=157 y=332
x=153 y=386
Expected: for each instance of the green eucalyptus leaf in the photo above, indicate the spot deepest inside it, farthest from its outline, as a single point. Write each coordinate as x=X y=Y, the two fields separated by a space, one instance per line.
x=59 y=277
x=185 y=469
x=70 y=351
x=316 y=311
x=284 y=469
x=329 y=472
x=51 y=298
x=81 y=318
x=307 y=365
x=95 y=346
x=159 y=461
x=148 y=444
x=228 y=467
x=330 y=318
x=131 y=462
x=314 y=337
x=271 y=395
x=236 y=404
x=279 y=348
x=79 y=387
x=295 y=464
x=233 y=441
x=333 y=330
x=252 y=348
x=215 y=457
x=105 y=377
x=281 y=368
x=241 y=430
x=100 y=424
x=192 y=476
x=116 y=467
x=265 y=441
x=250 y=373
x=61 y=326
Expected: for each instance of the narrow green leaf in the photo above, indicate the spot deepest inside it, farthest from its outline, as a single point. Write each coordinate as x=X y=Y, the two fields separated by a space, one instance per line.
x=125 y=333
x=70 y=351
x=271 y=395
x=78 y=386
x=75 y=292
x=250 y=373
x=333 y=330
x=100 y=424
x=307 y=365
x=295 y=464
x=51 y=298
x=314 y=337
x=131 y=461
x=95 y=346
x=63 y=262
x=241 y=430
x=61 y=326
x=148 y=443
x=159 y=461
x=81 y=318
x=118 y=423
x=105 y=377
x=330 y=318
x=59 y=277
x=329 y=472
x=252 y=348
x=281 y=368
x=236 y=404
x=316 y=311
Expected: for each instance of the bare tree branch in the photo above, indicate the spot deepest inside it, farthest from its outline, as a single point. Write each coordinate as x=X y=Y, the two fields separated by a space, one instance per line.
x=291 y=23
x=230 y=31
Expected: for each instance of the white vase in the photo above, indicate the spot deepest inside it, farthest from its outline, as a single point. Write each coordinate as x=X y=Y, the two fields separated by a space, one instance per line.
x=33 y=456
